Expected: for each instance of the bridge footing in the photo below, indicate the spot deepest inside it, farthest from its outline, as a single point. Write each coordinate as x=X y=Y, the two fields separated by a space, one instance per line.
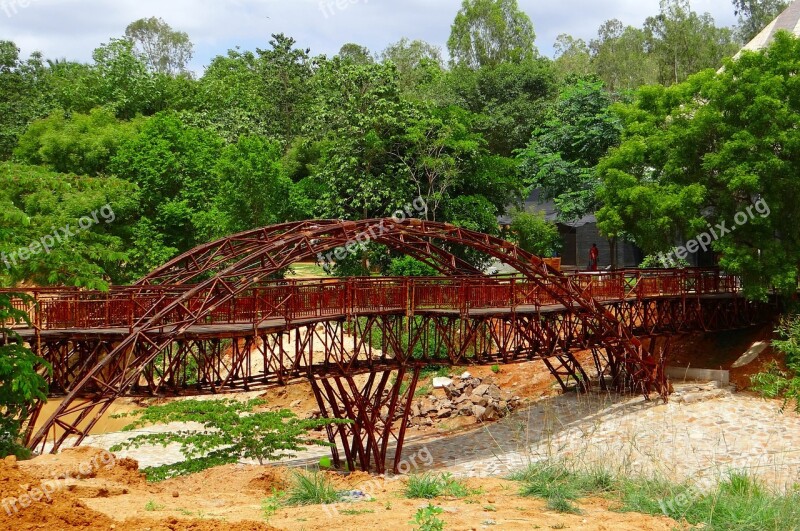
x=378 y=408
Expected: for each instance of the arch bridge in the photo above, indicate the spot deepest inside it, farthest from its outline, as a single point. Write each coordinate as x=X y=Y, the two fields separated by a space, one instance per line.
x=217 y=319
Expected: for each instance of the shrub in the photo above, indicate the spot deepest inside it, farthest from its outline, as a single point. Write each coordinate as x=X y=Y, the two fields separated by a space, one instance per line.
x=22 y=387
x=231 y=430
x=428 y=486
x=427 y=518
x=311 y=489
x=772 y=382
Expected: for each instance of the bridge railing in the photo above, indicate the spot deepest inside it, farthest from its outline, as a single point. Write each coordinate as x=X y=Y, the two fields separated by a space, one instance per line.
x=292 y=300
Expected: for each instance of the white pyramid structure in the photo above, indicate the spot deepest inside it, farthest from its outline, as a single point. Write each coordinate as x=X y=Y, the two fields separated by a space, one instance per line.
x=789 y=20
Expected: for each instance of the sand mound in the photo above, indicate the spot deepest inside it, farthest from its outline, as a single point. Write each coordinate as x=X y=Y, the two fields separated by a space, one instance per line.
x=31 y=503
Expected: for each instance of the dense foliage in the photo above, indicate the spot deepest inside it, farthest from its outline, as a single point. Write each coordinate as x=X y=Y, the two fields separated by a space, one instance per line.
x=717 y=149
x=22 y=385
x=277 y=133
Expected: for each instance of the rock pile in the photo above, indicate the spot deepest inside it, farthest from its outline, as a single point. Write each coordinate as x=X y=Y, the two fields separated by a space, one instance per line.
x=465 y=396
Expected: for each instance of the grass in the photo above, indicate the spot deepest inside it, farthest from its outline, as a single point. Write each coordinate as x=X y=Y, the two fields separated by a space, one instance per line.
x=310 y=489
x=428 y=486
x=738 y=503
x=354 y=512
x=153 y=506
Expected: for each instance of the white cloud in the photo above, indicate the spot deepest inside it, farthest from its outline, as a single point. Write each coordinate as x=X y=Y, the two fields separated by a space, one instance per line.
x=73 y=28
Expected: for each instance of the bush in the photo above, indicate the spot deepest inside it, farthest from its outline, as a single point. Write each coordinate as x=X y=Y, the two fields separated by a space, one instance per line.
x=428 y=486
x=231 y=430
x=772 y=382
x=311 y=489
x=22 y=387
x=534 y=234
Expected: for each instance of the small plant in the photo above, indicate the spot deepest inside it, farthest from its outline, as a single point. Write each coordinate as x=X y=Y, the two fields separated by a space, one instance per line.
x=427 y=519
x=311 y=489
x=270 y=505
x=153 y=506
x=354 y=512
x=428 y=486
x=231 y=431
x=495 y=368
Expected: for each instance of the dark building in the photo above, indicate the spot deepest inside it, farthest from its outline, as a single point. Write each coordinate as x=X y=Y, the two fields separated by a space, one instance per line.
x=578 y=236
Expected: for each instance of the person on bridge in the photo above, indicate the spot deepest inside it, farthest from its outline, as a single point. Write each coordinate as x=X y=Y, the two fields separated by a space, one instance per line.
x=594 y=253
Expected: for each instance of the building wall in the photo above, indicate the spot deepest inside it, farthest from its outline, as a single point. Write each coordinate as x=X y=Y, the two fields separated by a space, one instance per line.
x=577 y=241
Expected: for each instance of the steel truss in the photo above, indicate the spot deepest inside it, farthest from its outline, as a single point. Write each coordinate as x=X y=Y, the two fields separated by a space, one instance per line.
x=165 y=342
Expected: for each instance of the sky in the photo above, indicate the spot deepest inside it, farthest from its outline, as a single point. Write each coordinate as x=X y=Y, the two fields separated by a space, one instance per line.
x=71 y=29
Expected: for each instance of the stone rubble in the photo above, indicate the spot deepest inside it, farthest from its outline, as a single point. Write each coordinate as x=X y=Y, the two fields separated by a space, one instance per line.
x=465 y=396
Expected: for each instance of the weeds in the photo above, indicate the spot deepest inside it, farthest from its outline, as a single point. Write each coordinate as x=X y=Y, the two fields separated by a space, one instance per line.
x=427 y=519
x=153 y=506
x=738 y=503
x=428 y=486
x=311 y=489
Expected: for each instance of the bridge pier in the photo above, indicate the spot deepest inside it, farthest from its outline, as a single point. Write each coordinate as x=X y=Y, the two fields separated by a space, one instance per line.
x=379 y=410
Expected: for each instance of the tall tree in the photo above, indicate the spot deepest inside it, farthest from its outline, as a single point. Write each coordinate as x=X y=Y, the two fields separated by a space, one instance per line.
x=564 y=151
x=23 y=94
x=714 y=159
x=166 y=51
x=571 y=56
x=355 y=53
x=620 y=58
x=754 y=15
x=418 y=63
x=684 y=42
x=490 y=32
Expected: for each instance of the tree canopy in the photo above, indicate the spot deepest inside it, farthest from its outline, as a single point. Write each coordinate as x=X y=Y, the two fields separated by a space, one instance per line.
x=715 y=156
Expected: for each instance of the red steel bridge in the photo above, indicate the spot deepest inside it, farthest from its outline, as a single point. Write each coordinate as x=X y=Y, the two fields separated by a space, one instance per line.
x=216 y=320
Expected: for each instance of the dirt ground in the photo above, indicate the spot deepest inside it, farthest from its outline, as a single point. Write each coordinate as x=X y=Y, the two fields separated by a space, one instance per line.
x=103 y=492
x=230 y=497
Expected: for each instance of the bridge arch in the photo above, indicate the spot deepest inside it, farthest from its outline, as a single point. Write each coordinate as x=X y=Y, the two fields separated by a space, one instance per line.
x=222 y=269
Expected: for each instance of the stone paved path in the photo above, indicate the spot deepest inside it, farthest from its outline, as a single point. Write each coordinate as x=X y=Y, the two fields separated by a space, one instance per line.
x=701 y=434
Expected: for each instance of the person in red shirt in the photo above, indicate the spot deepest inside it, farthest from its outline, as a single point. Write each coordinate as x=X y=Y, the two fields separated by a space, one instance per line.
x=594 y=253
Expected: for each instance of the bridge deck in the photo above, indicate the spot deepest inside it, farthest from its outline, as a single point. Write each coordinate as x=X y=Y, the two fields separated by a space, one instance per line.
x=233 y=330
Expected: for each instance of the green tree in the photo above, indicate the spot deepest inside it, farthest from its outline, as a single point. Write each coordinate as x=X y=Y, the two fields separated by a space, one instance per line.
x=490 y=32
x=23 y=94
x=534 y=234
x=165 y=51
x=620 y=58
x=82 y=144
x=42 y=209
x=564 y=151
x=683 y=42
x=22 y=384
x=509 y=100
x=253 y=188
x=232 y=96
x=572 y=56
x=701 y=153
x=355 y=53
x=418 y=64
x=285 y=81
x=359 y=120
x=173 y=166
x=231 y=431
x=120 y=80
x=754 y=15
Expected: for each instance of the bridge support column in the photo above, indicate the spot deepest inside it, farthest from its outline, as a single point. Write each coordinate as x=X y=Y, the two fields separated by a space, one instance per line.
x=378 y=408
